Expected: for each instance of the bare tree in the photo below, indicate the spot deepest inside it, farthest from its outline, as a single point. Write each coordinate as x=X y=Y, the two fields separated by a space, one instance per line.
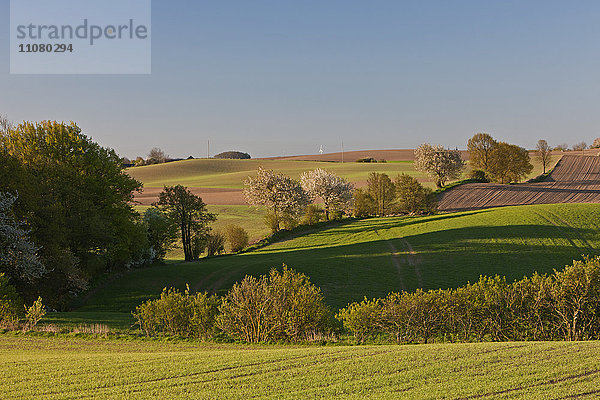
x=438 y=163
x=580 y=146
x=562 y=147
x=5 y=125
x=156 y=156
x=335 y=191
x=544 y=153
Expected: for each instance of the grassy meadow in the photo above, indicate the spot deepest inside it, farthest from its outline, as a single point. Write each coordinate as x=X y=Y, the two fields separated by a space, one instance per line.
x=371 y=257
x=33 y=367
x=230 y=174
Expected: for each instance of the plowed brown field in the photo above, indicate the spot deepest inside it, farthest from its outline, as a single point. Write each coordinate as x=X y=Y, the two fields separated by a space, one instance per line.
x=575 y=179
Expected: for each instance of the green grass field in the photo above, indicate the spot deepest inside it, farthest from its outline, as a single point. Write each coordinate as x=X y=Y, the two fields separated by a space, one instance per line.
x=215 y=173
x=71 y=368
x=372 y=257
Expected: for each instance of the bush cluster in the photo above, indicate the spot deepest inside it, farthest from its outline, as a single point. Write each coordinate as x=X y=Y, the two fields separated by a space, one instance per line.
x=564 y=305
x=281 y=306
x=180 y=314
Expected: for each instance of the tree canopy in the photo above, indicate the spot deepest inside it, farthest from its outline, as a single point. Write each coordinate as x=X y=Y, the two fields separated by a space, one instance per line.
x=190 y=214
x=439 y=163
x=282 y=195
x=335 y=192
x=75 y=198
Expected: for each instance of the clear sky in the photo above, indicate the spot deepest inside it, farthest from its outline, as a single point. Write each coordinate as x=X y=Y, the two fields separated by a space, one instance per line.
x=285 y=77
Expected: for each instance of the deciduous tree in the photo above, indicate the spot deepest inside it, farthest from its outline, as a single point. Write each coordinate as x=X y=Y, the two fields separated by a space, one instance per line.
x=382 y=191
x=480 y=149
x=543 y=153
x=18 y=255
x=412 y=197
x=439 y=163
x=189 y=212
x=282 y=195
x=335 y=192
x=509 y=163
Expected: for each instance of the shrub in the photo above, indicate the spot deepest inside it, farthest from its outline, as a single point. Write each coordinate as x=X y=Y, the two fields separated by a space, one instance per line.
x=280 y=306
x=289 y=222
x=366 y=160
x=215 y=244
x=576 y=299
x=181 y=314
x=363 y=319
x=233 y=155
x=35 y=313
x=237 y=237
x=478 y=175
x=364 y=205
x=312 y=215
x=10 y=301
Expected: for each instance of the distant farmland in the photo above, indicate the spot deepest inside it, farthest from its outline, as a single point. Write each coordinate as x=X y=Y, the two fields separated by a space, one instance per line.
x=575 y=179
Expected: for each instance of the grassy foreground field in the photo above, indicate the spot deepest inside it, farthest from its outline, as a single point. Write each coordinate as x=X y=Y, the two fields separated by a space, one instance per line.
x=61 y=368
x=373 y=257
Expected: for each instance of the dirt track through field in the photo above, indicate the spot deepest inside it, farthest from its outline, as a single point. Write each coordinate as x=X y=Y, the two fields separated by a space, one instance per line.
x=575 y=179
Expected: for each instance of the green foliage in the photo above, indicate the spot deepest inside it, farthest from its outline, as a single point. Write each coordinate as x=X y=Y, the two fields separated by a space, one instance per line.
x=312 y=215
x=364 y=205
x=412 y=197
x=233 y=155
x=237 y=237
x=363 y=319
x=366 y=160
x=35 y=313
x=509 y=163
x=562 y=306
x=478 y=175
x=179 y=314
x=502 y=162
x=75 y=199
x=215 y=244
x=381 y=190
x=189 y=212
x=10 y=301
x=480 y=147
x=280 y=306
x=162 y=232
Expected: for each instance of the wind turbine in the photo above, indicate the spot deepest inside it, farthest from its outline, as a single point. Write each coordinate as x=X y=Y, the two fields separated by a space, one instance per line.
x=321 y=150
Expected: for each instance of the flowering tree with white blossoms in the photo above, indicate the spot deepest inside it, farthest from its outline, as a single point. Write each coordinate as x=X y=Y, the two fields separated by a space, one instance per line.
x=439 y=163
x=18 y=255
x=335 y=192
x=282 y=195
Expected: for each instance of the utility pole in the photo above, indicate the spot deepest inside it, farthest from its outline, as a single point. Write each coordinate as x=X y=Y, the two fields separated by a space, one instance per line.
x=342 y=151
x=208 y=149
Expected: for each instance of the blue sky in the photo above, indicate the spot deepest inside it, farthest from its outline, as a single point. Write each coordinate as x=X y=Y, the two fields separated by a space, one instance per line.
x=285 y=77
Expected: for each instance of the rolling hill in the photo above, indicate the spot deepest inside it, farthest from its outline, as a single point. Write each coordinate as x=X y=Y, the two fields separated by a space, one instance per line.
x=575 y=179
x=372 y=257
